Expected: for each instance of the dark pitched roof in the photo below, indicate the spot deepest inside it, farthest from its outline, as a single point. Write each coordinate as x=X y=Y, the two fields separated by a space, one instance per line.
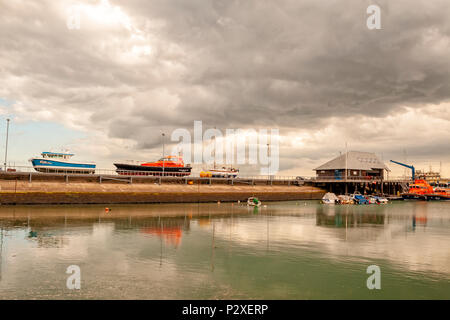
x=355 y=160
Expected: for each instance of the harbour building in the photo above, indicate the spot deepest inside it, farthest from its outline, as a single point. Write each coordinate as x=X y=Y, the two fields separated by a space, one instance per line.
x=353 y=165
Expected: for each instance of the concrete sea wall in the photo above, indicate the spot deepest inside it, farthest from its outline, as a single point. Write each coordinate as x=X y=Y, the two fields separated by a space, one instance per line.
x=56 y=192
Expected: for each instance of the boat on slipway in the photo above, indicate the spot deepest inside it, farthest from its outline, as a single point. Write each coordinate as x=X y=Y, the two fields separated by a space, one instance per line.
x=167 y=166
x=61 y=162
x=220 y=173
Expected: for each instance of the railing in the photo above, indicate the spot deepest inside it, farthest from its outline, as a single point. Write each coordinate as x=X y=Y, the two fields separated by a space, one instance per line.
x=359 y=178
x=138 y=173
x=129 y=173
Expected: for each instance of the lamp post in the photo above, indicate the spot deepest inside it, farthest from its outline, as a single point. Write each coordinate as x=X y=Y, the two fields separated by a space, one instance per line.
x=6 y=147
x=164 y=160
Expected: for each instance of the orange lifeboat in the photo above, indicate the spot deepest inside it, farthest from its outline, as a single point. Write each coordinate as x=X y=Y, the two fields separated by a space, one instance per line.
x=418 y=190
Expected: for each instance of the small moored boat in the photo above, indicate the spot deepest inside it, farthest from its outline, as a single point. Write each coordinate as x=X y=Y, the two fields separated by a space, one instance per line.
x=358 y=198
x=253 y=201
x=330 y=198
x=345 y=199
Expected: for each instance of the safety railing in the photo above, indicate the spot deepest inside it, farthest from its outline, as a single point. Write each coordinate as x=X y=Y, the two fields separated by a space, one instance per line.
x=139 y=173
x=142 y=173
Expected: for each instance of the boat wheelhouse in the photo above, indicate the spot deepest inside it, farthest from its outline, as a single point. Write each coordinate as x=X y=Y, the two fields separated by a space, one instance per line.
x=60 y=162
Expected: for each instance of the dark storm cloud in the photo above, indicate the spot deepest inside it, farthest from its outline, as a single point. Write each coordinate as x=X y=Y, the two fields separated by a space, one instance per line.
x=285 y=64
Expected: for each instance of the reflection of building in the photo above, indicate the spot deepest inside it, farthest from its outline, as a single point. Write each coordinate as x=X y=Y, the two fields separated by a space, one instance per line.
x=349 y=220
x=47 y=240
x=359 y=165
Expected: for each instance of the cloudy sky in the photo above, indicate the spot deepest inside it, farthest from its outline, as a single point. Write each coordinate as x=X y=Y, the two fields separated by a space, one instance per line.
x=310 y=68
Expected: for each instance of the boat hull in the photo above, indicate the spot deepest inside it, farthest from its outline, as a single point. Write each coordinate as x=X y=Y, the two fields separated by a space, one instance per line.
x=223 y=175
x=438 y=197
x=58 y=166
x=131 y=169
x=414 y=196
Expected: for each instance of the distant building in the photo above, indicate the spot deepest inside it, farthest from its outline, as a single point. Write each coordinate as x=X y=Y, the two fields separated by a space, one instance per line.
x=429 y=176
x=359 y=165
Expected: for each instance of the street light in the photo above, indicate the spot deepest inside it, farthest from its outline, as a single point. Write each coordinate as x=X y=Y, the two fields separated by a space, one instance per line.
x=6 y=147
x=164 y=159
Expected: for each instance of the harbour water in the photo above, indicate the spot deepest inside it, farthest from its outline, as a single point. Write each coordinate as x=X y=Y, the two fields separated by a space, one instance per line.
x=287 y=250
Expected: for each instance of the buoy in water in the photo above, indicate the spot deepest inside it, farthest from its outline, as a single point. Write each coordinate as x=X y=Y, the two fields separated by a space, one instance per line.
x=107 y=209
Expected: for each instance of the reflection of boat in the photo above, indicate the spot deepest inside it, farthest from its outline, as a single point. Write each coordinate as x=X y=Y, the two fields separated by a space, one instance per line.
x=330 y=198
x=418 y=190
x=171 y=234
x=253 y=201
x=167 y=166
x=54 y=162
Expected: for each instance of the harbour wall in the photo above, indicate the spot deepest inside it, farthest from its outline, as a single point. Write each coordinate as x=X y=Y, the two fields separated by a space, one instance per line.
x=15 y=190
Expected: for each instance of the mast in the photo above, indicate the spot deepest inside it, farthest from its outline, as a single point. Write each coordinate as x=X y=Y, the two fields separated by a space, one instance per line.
x=164 y=160
x=346 y=161
x=7 y=136
x=215 y=148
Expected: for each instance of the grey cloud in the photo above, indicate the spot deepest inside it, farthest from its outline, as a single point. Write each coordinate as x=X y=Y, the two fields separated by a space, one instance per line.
x=286 y=64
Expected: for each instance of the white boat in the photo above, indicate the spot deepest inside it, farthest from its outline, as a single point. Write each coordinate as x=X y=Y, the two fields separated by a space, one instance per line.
x=381 y=200
x=330 y=198
x=253 y=201
x=60 y=162
x=224 y=172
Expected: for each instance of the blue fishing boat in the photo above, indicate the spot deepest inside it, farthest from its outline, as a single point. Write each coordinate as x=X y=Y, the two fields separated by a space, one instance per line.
x=59 y=162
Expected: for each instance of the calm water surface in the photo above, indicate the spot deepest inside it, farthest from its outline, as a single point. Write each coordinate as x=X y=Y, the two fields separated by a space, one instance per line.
x=287 y=250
